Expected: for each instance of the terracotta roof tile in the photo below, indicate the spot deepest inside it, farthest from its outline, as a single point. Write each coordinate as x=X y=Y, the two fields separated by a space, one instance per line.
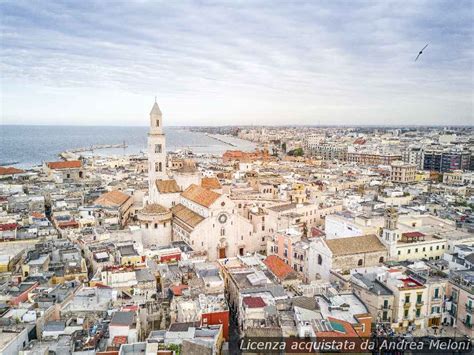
x=153 y=208
x=177 y=290
x=413 y=234
x=210 y=183
x=184 y=214
x=355 y=245
x=112 y=198
x=10 y=170
x=278 y=267
x=70 y=164
x=200 y=195
x=167 y=186
x=254 y=302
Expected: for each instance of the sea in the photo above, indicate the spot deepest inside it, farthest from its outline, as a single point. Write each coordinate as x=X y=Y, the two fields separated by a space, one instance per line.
x=27 y=146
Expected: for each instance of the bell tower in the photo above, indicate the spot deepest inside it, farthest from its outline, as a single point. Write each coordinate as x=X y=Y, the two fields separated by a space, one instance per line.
x=390 y=232
x=156 y=152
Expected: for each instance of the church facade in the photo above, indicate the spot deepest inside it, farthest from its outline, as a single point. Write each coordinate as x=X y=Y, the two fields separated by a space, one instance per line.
x=209 y=223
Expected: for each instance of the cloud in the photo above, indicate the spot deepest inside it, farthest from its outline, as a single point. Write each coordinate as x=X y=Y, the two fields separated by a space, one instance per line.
x=267 y=62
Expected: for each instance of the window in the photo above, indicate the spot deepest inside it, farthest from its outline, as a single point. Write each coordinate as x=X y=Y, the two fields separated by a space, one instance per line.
x=158 y=167
x=320 y=259
x=399 y=252
x=360 y=262
x=156 y=225
x=222 y=231
x=157 y=123
x=406 y=313
x=436 y=293
x=157 y=148
x=407 y=299
x=381 y=259
x=409 y=251
x=418 y=312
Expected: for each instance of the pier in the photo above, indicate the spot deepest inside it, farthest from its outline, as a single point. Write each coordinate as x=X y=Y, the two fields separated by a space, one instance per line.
x=72 y=154
x=220 y=140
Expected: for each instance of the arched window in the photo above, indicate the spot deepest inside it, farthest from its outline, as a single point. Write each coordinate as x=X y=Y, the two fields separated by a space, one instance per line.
x=222 y=231
x=381 y=259
x=320 y=259
x=360 y=262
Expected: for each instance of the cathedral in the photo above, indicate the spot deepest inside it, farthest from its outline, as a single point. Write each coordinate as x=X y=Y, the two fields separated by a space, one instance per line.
x=181 y=206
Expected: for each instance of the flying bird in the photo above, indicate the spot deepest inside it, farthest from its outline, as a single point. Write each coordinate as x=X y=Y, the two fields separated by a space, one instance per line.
x=421 y=52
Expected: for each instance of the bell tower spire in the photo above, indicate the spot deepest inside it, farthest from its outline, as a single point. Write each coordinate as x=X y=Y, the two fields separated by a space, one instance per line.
x=156 y=152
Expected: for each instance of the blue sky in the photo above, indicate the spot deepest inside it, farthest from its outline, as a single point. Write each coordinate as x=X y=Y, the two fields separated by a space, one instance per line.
x=237 y=62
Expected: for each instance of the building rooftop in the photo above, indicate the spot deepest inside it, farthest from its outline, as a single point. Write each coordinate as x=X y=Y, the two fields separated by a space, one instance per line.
x=167 y=186
x=58 y=165
x=200 y=195
x=123 y=318
x=355 y=245
x=372 y=284
x=112 y=199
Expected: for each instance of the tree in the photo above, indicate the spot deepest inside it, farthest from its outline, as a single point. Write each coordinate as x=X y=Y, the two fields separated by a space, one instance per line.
x=298 y=152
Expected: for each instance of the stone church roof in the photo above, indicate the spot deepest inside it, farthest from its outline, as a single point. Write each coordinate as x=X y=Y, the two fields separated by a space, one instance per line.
x=167 y=186
x=153 y=208
x=155 y=110
x=355 y=245
x=210 y=183
x=200 y=195
x=185 y=215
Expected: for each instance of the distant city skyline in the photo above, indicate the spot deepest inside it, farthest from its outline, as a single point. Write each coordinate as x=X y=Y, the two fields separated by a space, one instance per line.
x=223 y=63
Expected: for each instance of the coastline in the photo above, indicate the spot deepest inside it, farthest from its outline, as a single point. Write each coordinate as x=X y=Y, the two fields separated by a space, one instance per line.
x=27 y=147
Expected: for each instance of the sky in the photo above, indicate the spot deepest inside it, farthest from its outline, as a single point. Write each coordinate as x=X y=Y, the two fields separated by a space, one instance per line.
x=237 y=62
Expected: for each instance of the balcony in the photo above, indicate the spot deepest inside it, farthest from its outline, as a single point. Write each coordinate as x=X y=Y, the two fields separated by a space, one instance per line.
x=470 y=308
x=385 y=307
x=407 y=305
x=436 y=299
x=419 y=303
